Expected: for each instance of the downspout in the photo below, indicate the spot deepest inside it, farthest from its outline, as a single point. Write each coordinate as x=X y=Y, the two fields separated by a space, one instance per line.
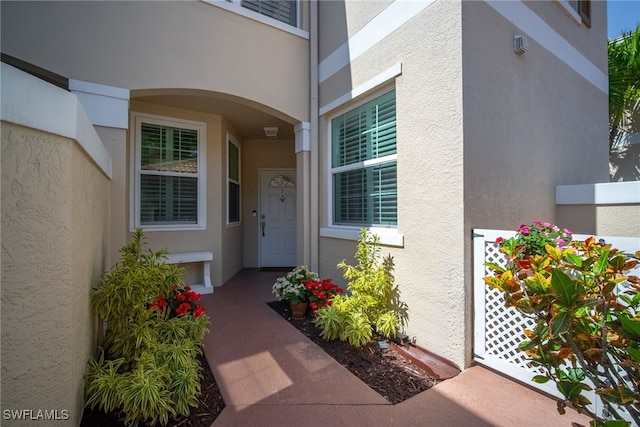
x=314 y=117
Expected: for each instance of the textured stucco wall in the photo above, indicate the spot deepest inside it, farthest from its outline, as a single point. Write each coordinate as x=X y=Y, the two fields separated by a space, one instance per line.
x=604 y=220
x=54 y=246
x=429 y=268
x=168 y=44
x=531 y=122
x=210 y=239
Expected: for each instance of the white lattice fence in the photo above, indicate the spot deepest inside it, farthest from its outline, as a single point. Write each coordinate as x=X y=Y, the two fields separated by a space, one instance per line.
x=498 y=329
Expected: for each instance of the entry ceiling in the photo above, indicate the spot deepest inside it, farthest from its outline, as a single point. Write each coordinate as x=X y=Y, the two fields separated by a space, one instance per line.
x=248 y=122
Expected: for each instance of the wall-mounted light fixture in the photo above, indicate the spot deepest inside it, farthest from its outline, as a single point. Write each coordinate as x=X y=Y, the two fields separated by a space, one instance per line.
x=271 y=131
x=520 y=44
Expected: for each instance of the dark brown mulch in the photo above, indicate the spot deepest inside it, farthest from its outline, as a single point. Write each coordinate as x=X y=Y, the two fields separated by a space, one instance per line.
x=385 y=371
x=211 y=404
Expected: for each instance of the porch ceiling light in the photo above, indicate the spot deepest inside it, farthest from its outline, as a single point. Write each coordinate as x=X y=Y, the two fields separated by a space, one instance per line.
x=271 y=131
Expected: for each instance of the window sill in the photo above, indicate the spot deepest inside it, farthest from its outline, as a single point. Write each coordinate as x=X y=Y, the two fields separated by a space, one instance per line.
x=152 y=228
x=388 y=236
x=258 y=17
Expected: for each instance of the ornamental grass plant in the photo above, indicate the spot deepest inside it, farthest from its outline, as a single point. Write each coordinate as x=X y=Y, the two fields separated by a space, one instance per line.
x=147 y=369
x=373 y=303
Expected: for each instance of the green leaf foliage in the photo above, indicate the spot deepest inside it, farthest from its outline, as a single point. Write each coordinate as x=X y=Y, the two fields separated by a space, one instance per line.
x=586 y=308
x=373 y=302
x=148 y=369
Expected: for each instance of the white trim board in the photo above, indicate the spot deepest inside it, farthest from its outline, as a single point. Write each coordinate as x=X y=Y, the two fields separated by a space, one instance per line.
x=606 y=193
x=390 y=19
x=525 y=19
x=30 y=102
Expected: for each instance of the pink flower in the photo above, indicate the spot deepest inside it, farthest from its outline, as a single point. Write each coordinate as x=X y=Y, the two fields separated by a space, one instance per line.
x=524 y=229
x=560 y=242
x=567 y=231
x=499 y=240
x=547 y=224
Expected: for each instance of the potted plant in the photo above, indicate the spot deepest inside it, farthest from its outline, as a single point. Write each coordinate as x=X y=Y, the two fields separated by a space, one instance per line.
x=321 y=293
x=291 y=288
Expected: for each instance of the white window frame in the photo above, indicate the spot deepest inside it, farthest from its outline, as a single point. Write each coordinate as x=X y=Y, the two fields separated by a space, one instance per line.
x=235 y=6
x=135 y=156
x=388 y=235
x=232 y=140
x=572 y=9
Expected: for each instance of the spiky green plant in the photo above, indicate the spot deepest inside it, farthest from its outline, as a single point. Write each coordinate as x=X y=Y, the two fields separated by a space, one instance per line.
x=148 y=367
x=373 y=303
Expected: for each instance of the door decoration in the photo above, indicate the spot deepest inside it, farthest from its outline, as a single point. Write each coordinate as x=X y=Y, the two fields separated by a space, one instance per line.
x=282 y=181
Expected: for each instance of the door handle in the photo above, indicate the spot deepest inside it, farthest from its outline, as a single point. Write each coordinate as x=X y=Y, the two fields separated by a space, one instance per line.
x=264 y=223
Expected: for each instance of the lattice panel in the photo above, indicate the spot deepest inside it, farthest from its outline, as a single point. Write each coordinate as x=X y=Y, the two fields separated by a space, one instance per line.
x=504 y=326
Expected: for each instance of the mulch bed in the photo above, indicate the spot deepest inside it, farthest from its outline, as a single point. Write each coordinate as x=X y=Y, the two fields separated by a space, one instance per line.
x=385 y=371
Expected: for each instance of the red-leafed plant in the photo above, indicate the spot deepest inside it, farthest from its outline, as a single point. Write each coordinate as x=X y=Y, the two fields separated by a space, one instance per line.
x=586 y=309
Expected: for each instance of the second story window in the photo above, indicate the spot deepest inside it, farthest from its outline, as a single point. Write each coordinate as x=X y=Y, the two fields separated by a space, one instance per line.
x=581 y=7
x=283 y=11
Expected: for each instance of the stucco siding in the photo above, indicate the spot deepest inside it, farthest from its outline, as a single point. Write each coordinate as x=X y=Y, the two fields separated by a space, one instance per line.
x=521 y=121
x=429 y=267
x=211 y=238
x=151 y=45
x=54 y=246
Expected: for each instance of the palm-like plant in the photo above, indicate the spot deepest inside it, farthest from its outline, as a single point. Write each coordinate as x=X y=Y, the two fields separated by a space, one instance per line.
x=624 y=84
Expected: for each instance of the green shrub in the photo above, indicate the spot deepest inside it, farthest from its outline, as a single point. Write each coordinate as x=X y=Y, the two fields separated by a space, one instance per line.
x=148 y=367
x=373 y=303
x=587 y=322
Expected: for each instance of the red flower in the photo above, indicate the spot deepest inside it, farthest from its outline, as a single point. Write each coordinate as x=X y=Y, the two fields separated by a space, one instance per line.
x=313 y=305
x=180 y=297
x=183 y=309
x=187 y=287
x=499 y=240
x=199 y=311
x=193 y=296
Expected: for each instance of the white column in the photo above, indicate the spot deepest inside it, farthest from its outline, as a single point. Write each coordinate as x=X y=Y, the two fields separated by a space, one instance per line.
x=303 y=187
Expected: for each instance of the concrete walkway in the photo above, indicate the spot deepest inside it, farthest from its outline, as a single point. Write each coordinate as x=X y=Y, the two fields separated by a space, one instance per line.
x=272 y=375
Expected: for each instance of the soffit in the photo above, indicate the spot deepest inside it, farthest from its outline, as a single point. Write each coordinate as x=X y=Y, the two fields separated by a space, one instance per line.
x=247 y=121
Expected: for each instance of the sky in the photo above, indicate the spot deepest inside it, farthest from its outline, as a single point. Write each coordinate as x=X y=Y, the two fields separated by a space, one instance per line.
x=623 y=15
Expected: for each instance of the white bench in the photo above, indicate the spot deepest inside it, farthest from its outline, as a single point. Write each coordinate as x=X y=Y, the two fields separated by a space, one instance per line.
x=205 y=258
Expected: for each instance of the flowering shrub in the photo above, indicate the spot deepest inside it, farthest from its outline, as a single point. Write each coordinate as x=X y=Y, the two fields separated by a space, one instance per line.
x=181 y=303
x=291 y=287
x=148 y=369
x=531 y=239
x=321 y=292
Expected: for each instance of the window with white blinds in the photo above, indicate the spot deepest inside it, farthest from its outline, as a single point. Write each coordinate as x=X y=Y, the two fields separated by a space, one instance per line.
x=281 y=10
x=169 y=184
x=233 y=182
x=364 y=164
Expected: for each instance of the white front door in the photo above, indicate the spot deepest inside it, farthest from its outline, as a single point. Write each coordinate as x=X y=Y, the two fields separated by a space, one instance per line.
x=277 y=218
